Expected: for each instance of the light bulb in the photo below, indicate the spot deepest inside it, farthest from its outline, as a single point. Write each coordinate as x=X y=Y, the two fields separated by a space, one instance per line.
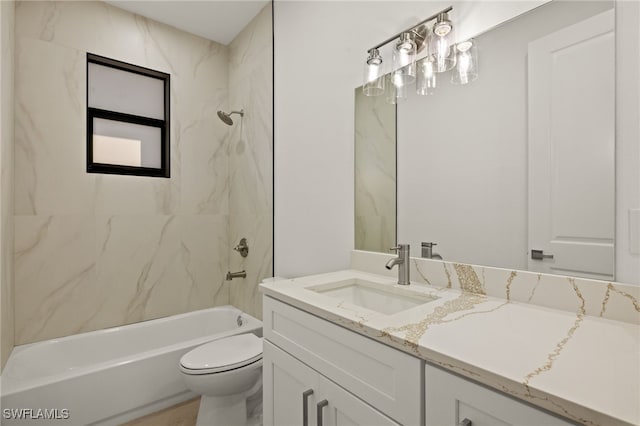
x=466 y=69
x=442 y=52
x=404 y=60
x=426 y=84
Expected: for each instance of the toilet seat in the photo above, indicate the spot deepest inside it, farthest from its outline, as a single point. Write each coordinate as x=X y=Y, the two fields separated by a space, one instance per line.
x=229 y=353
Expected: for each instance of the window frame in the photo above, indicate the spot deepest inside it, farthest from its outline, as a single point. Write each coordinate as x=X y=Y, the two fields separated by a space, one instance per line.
x=163 y=125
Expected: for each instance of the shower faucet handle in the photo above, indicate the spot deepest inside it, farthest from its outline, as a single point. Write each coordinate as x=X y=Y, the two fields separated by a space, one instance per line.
x=242 y=247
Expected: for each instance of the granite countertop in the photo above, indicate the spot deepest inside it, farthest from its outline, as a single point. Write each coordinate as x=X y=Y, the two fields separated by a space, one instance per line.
x=582 y=367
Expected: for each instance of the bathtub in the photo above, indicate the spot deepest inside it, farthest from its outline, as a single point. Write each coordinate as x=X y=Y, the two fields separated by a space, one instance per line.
x=111 y=376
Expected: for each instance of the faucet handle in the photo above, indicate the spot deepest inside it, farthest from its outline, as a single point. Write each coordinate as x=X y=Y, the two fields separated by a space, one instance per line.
x=394 y=248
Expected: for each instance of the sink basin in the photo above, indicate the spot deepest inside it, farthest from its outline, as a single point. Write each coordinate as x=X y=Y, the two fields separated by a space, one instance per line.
x=383 y=298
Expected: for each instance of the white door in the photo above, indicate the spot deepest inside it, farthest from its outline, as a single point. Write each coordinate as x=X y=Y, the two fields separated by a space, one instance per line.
x=572 y=149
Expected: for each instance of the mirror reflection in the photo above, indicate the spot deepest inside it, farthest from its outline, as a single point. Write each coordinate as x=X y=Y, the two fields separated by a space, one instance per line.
x=515 y=169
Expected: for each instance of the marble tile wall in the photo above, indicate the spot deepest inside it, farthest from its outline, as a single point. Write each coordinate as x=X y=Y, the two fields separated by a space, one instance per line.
x=615 y=301
x=375 y=173
x=94 y=251
x=7 y=21
x=250 y=159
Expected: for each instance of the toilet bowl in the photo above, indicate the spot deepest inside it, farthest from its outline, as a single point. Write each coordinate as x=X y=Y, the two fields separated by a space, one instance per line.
x=225 y=372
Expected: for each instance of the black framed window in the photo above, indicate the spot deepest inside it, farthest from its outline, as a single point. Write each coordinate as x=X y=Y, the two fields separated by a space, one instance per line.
x=127 y=118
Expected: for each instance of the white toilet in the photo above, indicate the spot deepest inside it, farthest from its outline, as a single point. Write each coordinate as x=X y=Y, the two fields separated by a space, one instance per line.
x=225 y=372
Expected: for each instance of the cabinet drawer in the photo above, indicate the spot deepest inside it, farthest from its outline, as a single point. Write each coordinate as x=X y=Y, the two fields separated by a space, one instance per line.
x=388 y=379
x=450 y=400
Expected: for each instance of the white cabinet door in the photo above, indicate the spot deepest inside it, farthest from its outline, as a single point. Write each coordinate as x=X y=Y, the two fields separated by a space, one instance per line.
x=359 y=364
x=571 y=149
x=289 y=385
x=345 y=409
x=452 y=400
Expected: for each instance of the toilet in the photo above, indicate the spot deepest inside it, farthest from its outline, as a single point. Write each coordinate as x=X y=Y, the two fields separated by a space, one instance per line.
x=225 y=372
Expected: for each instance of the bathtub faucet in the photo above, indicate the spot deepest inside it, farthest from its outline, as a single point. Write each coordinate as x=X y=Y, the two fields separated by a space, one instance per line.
x=232 y=275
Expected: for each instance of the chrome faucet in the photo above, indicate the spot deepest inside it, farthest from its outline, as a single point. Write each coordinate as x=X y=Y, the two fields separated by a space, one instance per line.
x=427 y=251
x=404 y=253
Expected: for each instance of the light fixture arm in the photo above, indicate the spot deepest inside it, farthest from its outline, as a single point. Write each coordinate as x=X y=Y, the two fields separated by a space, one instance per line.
x=410 y=29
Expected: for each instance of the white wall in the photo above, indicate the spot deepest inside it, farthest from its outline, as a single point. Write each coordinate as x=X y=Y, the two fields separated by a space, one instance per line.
x=627 y=137
x=320 y=49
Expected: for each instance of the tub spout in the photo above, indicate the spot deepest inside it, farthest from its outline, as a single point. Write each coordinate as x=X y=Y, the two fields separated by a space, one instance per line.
x=232 y=275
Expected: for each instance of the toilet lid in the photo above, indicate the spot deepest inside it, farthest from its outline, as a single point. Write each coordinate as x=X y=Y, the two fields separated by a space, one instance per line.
x=223 y=354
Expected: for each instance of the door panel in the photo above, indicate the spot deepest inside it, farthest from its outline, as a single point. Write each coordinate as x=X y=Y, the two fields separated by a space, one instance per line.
x=572 y=149
x=285 y=381
x=345 y=409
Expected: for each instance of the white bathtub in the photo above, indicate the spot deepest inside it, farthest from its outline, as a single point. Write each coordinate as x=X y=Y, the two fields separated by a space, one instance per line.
x=110 y=376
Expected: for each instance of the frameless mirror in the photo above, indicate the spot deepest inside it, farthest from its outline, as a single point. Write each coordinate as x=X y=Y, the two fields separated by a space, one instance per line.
x=515 y=169
x=375 y=173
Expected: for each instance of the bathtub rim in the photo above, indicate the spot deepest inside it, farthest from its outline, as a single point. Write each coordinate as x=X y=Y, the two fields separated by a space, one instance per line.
x=11 y=385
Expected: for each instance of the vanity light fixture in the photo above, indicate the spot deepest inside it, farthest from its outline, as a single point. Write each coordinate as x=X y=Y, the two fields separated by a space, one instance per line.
x=441 y=43
x=466 y=69
x=442 y=55
x=404 y=59
x=373 y=76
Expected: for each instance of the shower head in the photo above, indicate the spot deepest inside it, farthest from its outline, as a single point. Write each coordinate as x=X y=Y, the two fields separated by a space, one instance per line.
x=226 y=118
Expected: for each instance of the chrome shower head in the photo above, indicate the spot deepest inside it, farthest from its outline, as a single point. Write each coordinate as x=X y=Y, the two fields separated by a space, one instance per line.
x=226 y=118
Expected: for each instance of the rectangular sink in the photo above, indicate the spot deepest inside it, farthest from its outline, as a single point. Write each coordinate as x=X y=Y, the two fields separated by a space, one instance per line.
x=383 y=298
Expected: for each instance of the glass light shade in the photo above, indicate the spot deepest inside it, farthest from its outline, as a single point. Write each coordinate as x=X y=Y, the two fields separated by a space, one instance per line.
x=426 y=83
x=404 y=60
x=441 y=44
x=395 y=92
x=466 y=69
x=373 y=77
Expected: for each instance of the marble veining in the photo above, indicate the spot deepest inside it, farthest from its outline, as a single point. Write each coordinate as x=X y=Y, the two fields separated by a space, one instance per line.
x=535 y=352
x=468 y=278
x=615 y=301
x=250 y=149
x=558 y=349
x=611 y=288
x=7 y=177
x=94 y=251
x=413 y=332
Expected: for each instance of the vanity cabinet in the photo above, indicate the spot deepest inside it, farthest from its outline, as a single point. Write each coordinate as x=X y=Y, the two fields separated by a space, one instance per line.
x=317 y=373
x=452 y=400
x=351 y=372
x=298 y=395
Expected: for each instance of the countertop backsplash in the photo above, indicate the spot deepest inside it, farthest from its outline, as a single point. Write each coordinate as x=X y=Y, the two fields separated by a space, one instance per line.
x=610 y=300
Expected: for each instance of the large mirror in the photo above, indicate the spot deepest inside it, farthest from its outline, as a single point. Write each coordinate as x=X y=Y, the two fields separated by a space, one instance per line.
x=515 y=169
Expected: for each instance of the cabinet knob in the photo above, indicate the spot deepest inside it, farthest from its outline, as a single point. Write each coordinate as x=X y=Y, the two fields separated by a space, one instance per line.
x=320 y=406
x=465 y=422
x=305 y=406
